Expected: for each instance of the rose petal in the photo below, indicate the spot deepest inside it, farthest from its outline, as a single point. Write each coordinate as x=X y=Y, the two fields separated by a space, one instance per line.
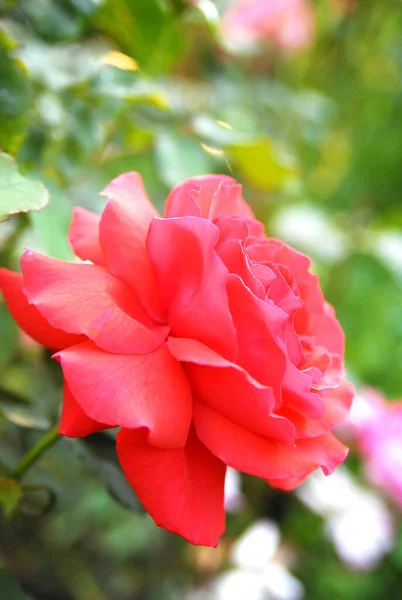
x=337 y=403
x=297 y=262
x=228 y=200
x=260 y=328
x=207 y=192
x=297 y=392
x=287 y=485
x=84 y=235
x=83 y=298
x=309 y=318
x=74 y=422
x=209 y=196
x=192 y=280
x=182 y=200
x=29 y=318
x=230 y=390
x=181 y=489
x=234 y=229
x=148 y=390
x=329 y=332
x=246 y=451
x=281 y=293
x=122 y=232
x=235 y=258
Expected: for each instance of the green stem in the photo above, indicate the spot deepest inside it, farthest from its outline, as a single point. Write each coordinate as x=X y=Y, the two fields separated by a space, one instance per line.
x=36 y=452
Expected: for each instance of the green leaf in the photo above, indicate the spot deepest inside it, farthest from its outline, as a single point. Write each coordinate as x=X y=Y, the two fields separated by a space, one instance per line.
x=179 y=156
x=17 y=193
x=99 y=452
x=10 y=495
x=261 y=165
x=23 y=417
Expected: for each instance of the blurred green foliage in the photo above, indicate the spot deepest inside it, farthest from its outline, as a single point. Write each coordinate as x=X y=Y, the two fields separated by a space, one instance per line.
x=89 y=89
x=15 y=96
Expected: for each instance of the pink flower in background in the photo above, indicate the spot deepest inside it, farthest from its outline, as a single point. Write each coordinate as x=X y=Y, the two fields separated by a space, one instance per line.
x=377 y=425
x=288 y=24
x=207 y=343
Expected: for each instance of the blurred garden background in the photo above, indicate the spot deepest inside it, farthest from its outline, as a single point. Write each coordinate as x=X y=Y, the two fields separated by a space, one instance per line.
x=301 y=101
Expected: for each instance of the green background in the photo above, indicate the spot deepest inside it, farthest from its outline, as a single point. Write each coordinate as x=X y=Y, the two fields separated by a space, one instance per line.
x=315 y=139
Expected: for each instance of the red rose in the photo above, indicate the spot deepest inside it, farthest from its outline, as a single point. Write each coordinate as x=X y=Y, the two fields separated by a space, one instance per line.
x=206 y=342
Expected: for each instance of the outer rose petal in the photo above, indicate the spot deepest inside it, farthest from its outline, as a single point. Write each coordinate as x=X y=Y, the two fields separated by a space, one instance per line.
x=308 y=319
x=329 y=332
x=149 y=390
x=228 y=389
x=287 y=485
x=232 y=394
x=192 y=279
x=87 y=299
x=208 y=196
x=84 y=235
x=122 y=232
x=248 y=452
x=29 y=318
x=181 y=489
x=337 y=405
x=74 y=422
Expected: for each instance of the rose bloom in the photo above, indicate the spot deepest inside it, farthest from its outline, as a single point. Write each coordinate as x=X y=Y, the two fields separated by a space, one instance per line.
x=377 y=426
x=206 y=342
x=288 y=24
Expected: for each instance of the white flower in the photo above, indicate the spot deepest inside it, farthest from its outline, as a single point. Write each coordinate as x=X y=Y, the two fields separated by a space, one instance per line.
x=239 y=585
x=258 y=575
x=358 y=521
x=255 y=575
x=234 y=499
x=257 y=546
x=281 y=584
x=363 y=534
x=328 y=495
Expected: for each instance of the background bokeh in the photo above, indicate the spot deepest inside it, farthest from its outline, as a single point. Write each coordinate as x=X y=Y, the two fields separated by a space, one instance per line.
x=92 y=88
